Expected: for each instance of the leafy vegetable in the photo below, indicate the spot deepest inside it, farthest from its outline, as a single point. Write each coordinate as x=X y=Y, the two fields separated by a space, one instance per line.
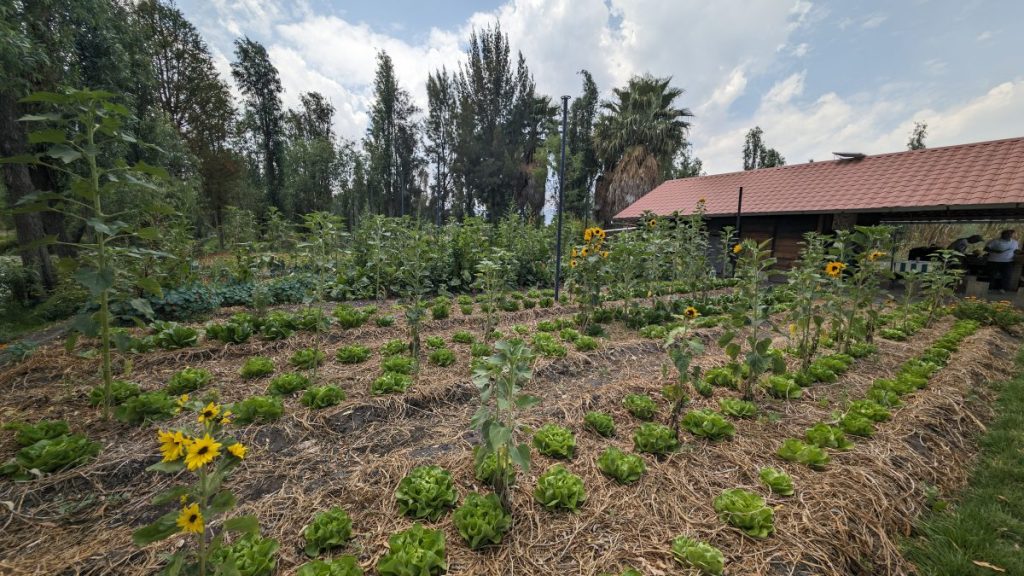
x=29 y=434
x=251 y=555
x=481 y=520
x=120 y=391
x=442 y=357
x=323 y=396
x=600 y=422
x=796 y=450
x=655 y=439
x=417 y=551
x=747 y=511
x=329 y=529
x=257 y=366
x=398 y=364
x=625 y=468
x=857 y=425
x=585 y=343
x=721 y=376
x=340 y=566
x=147 y=406
x=286 y=384
x=546 y=345
x=394 y=347
x=783 y=387
x=390 y=382
x=555 y=441
x=700 y=555
x=307 y=358
x=173 y=336
x=870 y=410
x=463 y=337
x=777 y=481
x=435 y=342
x=50 y=455
x=187 y=380
x=824 y=436
x=640 y=406
x=350 y=317
x=257 y=409
x=427 y=492
x=737 y=408
x=559 y=488
x=708 y=424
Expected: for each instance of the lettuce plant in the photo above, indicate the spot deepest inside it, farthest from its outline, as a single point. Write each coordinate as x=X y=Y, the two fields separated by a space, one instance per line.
x=120 y=392
x=257 y=409
x=148 y=406
x=287 y=384
x=737 y=408
x=722 y=376
x=417 y=551
x=277 y=326
x=353 y=354
x=824 y=436
x=640 y=405
x=546 y=345
x=480 y=349
x=870 y=410
x=256 y=367
x=427 y=492
x=323 y=396
x=399 y=364
x=776 y=480
x=463 y=337
x=481 y=520
x=307 y=358
x=485 y=469
x=747 y=511
x=600 y=423
x=708 y=424
x=29 y=434
x=341 y=566
x=783 y=387
x=329 y=529
x=625 y=468
x=434 y=342
x=795 y=450
x=251 y=555
x=585 y=343
x=554 y=441
x=569 y=334
x=655 y=438
x=700 y=555
x=384 y=321
x=174 y=336
x=350 y=317
x=187 y=380
x=442 y=357
x=50 y=455
x=857 y=424
x=390 y=383
x=559 y=488
x=230 y=332
x=546 y=326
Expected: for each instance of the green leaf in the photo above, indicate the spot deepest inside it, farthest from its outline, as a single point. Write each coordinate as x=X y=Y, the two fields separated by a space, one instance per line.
x=95 y=280
x=168 y=496
x=150 y=285
x=175 y=466
x=526 y=401
x=222 y=502
x=63 y=153
x=19 y=159
x=242 y=524
x=154 y=171
x=148 y=233
x=48 y=136
x=142 y=306
x=521 y=456
x=164 y=527
x=46 y=97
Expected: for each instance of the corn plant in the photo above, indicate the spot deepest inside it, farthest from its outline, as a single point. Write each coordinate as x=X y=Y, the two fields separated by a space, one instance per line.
x=84 y=140
x=500 y=380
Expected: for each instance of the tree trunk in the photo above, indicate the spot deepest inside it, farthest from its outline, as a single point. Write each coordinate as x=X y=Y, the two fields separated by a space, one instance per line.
x=29 y=226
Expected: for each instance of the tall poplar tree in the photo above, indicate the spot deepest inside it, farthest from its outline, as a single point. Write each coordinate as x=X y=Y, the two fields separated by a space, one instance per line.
x=392 y=143
x=441 y=133
x=259 y=82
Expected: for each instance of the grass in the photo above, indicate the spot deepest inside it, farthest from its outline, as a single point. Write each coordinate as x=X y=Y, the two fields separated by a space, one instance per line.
x=983 y=533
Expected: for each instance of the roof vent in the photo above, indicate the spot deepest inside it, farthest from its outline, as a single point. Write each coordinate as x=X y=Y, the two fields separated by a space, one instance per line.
x=850 y=155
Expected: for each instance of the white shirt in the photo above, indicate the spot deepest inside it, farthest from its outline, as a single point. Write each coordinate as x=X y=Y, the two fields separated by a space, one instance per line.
x=1001 y=250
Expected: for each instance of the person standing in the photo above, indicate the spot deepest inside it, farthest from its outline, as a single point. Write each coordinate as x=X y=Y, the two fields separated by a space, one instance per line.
x=1001 y=252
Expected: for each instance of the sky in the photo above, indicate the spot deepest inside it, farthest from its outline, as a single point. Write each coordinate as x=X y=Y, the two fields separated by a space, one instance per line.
x=817 y=76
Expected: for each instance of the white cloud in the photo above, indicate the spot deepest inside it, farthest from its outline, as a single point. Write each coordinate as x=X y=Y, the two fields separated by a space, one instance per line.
x=935 y=66
x=873 y=21
x=985 y=36
x=784 y=91
x=725 y=94
x=801 y=50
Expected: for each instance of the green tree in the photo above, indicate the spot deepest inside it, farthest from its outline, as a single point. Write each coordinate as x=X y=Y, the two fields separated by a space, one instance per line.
x=636 y=138
x=259 y=82
x=686 y=164
x=582 y=164
x=313 y=163
x=441 y=133
x=917 y=136
x=391 y=142
x=757 y=155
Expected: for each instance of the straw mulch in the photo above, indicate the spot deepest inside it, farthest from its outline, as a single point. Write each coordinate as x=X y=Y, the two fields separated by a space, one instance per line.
x=844 y=520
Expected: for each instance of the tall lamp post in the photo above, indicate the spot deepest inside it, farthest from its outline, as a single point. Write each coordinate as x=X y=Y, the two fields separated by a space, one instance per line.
x=561 y=196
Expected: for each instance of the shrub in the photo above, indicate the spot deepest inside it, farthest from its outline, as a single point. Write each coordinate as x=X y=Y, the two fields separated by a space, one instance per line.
x=442 y=357
x=323 y=397
x=350 y=317
x=655 y=438
x=28 y=434
x=783 y=387
x=747 y=511
x=795 y=450
x=481 y=520
x=257 y=409
x=463 y=337
x=50 y=455
x=341 y=566
x=640 y=406
x=625 y=468
x=600 y=422
x=353 y=354
x=384 y=321
x=777 y=481
x=398 y=364
x=147 y=406
x=394 y=347
x=257 y=366
x=417 y=551
x=824 y=436
x=120 y=392
x=329 y=529
x=708 y=424
x=585 y=343
x=187 y=380
x=554 y=441
x=721 y=376
x=737 y=408
x=559 y=488
x=287 y=384
x=173 y=336
x=307 y=358
x=251 y=555
x=390 y=383
x=700 y=555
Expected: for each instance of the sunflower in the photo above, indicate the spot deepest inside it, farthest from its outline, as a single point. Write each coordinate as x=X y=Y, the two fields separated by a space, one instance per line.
x=652 y=223
x=834 y=269
x=172 y=444
x=792 y=329
x=209 y=413
x=572 y=263
x=191 y=519
x=237 y=450
x=584 y=252
x=593 y=233
x=588 y=234
x=691 y=312
x=182 y=400
x=737 y=249
x=201 y=452
x=575 y=252
x=604 y=254
x=873 y=256
x=226 y=418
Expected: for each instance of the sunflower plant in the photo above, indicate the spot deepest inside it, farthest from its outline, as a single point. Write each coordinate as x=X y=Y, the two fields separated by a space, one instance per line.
x=590 y=272
x=492 y=280
x=209 y=454
x=808 y=282
x=682 y=348
x=856 y=267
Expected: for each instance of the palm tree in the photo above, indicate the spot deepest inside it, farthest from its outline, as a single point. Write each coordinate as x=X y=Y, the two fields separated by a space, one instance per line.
x=636 y=138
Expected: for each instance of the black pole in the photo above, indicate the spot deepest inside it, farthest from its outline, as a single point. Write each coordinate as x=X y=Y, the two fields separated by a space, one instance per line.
x=739 y=214
x=561 y=195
